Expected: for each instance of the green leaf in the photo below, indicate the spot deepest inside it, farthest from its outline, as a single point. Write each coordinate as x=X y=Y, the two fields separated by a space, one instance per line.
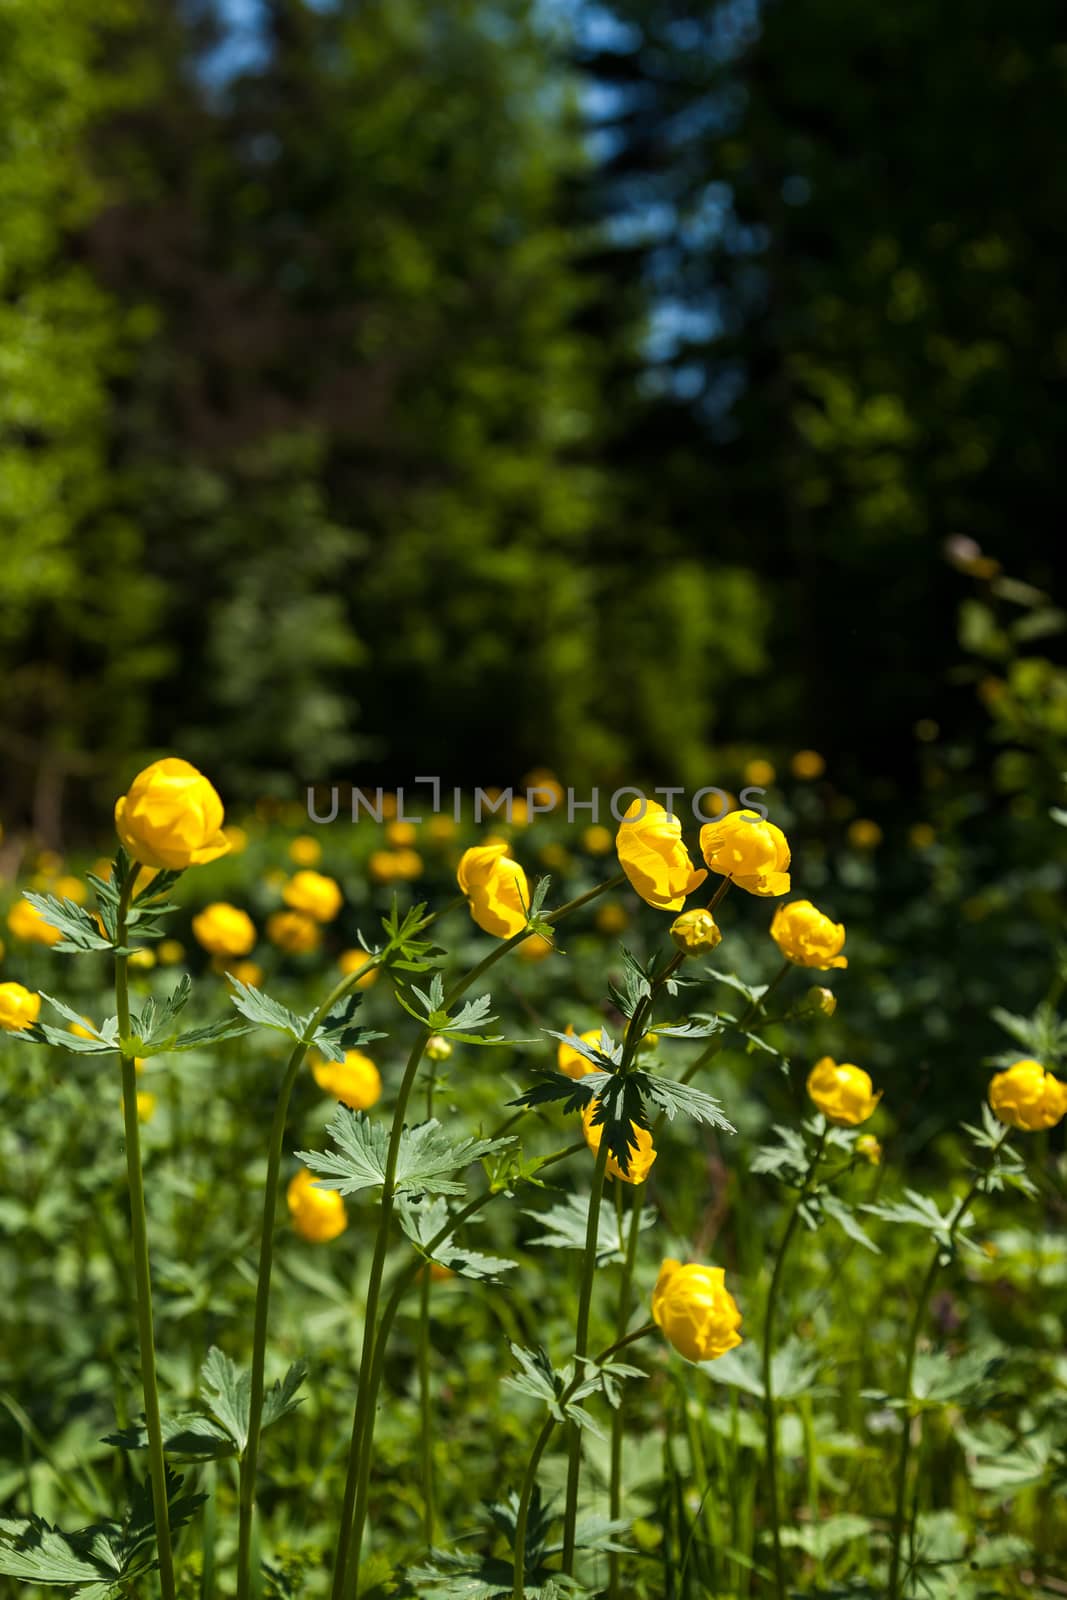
x=281 y=1398
x=228 y=1393
x=566 y=1227
x=845 y=1217
x=683 y=1098
x=265 y=1011
x=427 y=1156
x=187 y=1434
x=78 y=927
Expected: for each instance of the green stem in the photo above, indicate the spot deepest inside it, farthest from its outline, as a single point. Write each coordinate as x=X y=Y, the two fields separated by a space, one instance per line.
x=746 y=1021
x=518 y=1590
x=581 y=1346
x=904 y=1457
x=350 y=1538
x=770 y=1417
x=423 y=1362
x=250 y=1458
x=617 y=1417
x=141 y=1270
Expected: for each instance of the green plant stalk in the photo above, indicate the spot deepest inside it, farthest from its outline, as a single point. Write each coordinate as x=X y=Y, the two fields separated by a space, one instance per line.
x=581 y=1346
x=350 y=1538
x=769 y=1410
x=209 y=1481
x=749 y=1017
x=917 y=1321
x=250 y=1457
x=423 y=1362
x=141 y=1270
x=617 y=1418
x=530 y=1480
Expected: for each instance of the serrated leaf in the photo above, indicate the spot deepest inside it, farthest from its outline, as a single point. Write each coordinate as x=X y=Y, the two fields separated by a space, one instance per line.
x=265 y=1011
x=427 y=1155
x=566 y=1228
x=682 y=1098
x=228 y=1393
x=78 y=927
x=845 y=1217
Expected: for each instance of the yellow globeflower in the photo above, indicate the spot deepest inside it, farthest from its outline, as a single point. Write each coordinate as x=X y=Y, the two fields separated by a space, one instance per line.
x=355 y=1081
x=317 y=1214
x=753 y=853
x=695 y=1310
x=146 y=1105
x=1028 y=1097
x=654 y=858
x=808 y=764
x=496 y=888
x=170 y=952
x=844 y=1094
x=26 y=922
x=571 y=1061
x=224 y=930
x=612 y=918
x=696 y=933
x=401 y=834
x=248 y=972
x=807 y=937
x=381 y=864
x=641 y=1158
x=294 y=932
x=863 y=834
x=70 y=888
x=320 y=897
x=171 y=817
x=597 y=840
x=407 y=864
x=305 y=851
x=19 y=1007
x=350 y=961
x=869 y=1148
x=759 y=773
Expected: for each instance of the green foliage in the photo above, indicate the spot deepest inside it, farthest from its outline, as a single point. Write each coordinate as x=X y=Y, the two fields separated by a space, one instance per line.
x=428 y=1156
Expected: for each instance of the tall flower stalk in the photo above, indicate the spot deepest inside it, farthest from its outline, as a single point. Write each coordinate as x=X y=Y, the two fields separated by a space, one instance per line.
x=139 y=1237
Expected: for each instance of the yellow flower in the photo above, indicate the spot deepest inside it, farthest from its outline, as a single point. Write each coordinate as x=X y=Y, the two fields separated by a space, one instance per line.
x=496 y=888
x=654 y=858
x=381 y=864
x=641 y=1158
x=305 y=851
x=350 y=961
x=1028 y=1097
x=921 y=836
x=440 y=829
x=142 y=960
x=545 y=787
x=171 y=817
x=612 y=918
x=317 y=1214
x=69 y=888
x=224 y=930
x=294 y=932
x=19 y=1007
x=869 y=1148
x=26 y=922
x=146 y=1105
x=807 y=937
x=400 y=834
x=535 y=949
x=236 y=838
x=696 y=933
x=571 y=1061
x=407 y=864
x=355 y=1081
x=808 y=764
x=597 y=840
x=311 y=892
x=556 y=857
x=438 y=1048
x=760 y=774
x=752 y=853
x=863 y=834
x=844 y=1093
x=694 y=1309
x=88 y=1032
x=249 y=972
x=170 y=952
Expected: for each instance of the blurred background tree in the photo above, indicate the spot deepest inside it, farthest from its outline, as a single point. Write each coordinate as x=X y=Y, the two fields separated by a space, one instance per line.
x=462 y=387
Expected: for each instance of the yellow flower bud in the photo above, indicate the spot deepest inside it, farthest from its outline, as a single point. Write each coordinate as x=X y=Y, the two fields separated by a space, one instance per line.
x=496 y=888
x=224 y=930
x=19 y=1007
x=305 y=851
x=142 y=960
x=759 y=773
x=248 y=972
x=319 y=897
x=170 y=952
x=696 y=933
x=70 y=888
x=695 y=1311
x=26 y=922
x=822 y=1000
x=571 y=1061
x=752 y=853
x=294 y=932
x=407 y=864
x=350 y=961
x=146 y=1105
x=612 y=918
x=597 y=840
x=641 y=1157
x=438 y=1048
x=863 y=834
x=355 y=1081
x=807 y=937
x=869 y=1148
x=844 y=1094
x=318 y=1215
x=400 y=833
x=654 y=858
x=171 y=817
x=1027 y=1097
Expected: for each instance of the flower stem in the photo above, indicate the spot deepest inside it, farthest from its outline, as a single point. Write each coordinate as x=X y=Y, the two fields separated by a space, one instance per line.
x=581 y=1345
x=423 y=1362
x=141 y=1269
x=250 y=1457
x=917 y=1321
x=745 y=1021
x=617 y=1416
x=769 y=1409
x=350 y=1537
x=518 y=1590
